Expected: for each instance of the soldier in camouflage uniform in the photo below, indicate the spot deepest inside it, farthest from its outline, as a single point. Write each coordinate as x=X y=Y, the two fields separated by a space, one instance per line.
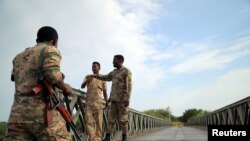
x=93 y=109
x=121 y=78
x=26 y=120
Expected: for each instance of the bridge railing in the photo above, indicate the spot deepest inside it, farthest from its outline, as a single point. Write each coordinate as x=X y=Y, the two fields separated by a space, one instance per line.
x=237 y=113
x=138 y=122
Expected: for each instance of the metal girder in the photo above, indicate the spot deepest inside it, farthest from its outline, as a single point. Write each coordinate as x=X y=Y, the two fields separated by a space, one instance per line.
x=237 y=113
x=138 y=121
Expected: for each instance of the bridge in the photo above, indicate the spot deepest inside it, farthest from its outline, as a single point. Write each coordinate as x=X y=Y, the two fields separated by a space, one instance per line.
x=144 y=127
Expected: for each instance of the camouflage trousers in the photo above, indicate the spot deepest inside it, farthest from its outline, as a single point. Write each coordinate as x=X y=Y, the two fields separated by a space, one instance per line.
x=118 y=111
x=94 y=116
x=38 y=131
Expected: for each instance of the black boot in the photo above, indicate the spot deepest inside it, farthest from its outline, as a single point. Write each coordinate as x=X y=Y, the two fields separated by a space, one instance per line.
x=124 y=137
x=107 y=137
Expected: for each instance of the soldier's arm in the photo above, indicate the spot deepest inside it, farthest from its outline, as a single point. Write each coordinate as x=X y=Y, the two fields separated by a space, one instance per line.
x=85 y=82
x=105 y=93
x=107 y=77
x=128 y=84
x=51 y=68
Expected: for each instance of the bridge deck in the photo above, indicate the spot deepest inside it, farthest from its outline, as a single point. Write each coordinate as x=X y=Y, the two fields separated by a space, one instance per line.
x=181 y=133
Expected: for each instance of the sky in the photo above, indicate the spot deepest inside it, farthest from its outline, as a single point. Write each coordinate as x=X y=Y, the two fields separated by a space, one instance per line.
x=183 y=54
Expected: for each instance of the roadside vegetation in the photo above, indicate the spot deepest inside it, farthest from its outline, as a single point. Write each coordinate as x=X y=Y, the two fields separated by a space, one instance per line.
x=2 y=129
x=165 y=114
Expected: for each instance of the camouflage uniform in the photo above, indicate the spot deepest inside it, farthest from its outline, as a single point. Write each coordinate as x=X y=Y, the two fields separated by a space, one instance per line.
x=26 y=120
x=120 y=94
x=94 y=107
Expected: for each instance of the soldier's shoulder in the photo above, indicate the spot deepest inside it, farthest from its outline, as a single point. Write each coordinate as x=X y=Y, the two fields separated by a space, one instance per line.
x=127 y=70
x=88 y=75
x=27 y=48
x=22 y=53
x=113 y=71
x=52 y=49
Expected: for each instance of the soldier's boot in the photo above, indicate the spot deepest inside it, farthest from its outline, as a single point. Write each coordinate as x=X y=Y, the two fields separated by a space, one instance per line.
x=107 y=137
x=124 y=137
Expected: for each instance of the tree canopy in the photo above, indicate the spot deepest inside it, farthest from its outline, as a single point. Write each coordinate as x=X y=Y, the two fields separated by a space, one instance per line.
x=192 y=114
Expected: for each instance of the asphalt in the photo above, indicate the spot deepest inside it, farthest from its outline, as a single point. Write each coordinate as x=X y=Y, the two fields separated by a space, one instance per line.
x=177 y=133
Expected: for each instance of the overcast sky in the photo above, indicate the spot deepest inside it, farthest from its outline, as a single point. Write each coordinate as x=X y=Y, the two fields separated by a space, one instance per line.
x=182 y=53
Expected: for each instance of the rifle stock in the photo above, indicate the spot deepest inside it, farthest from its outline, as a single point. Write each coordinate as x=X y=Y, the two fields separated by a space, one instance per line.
x=58 y=105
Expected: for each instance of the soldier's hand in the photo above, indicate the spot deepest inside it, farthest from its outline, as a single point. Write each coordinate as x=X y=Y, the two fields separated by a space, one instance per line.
x=89 y=79
x=68 y=90
x=126 y=103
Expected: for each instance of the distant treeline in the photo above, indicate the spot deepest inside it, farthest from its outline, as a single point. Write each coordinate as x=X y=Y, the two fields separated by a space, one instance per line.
x=166 y=114
x=161 y=113
x=2 y=130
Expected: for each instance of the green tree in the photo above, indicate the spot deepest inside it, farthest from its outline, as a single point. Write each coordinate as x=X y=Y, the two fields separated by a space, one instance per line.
x=192 y=114
x=161 y=113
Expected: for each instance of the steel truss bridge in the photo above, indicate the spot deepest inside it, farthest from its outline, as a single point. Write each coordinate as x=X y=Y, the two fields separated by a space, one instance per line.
x=237 y=113
x=139 y=123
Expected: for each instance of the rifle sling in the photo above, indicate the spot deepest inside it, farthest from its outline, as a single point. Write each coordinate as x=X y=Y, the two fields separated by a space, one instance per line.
x=48 y=110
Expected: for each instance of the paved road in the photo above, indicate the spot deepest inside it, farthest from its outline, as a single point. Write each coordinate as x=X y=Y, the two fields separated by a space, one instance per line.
x=181 y=133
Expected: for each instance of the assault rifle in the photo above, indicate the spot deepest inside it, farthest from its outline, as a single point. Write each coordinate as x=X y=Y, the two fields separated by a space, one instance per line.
x=56 y=104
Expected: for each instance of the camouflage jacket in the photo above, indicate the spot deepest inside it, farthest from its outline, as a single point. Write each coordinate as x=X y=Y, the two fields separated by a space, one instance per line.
x=95 y=88
x=94 y=92
x=121 y=83
x=28 y=107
